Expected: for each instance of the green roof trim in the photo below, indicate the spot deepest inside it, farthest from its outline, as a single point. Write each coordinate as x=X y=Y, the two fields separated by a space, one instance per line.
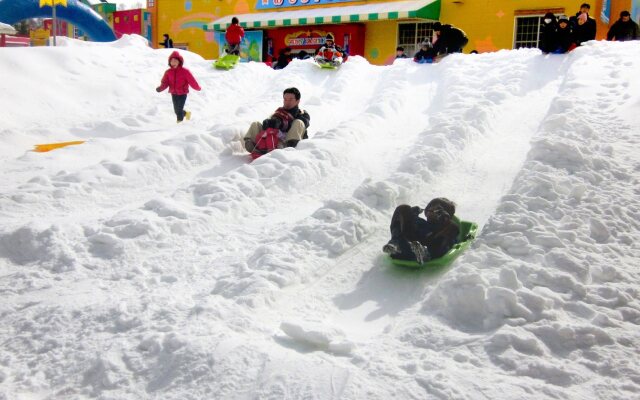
x=431 y=11
x=338 y=15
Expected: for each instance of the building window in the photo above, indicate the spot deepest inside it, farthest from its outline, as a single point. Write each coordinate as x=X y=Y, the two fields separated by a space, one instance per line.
x=117 y=20
x=411 y=34
x=135 y=18
x=151 y=3
x=527 y=31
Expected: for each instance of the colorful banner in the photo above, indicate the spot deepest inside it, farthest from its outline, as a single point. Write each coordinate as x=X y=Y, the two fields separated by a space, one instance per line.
x=268 y=4
x=605 y=14
x=250 y=48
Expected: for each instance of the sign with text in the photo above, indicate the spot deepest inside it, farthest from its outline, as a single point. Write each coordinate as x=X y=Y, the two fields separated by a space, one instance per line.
x=271 y=4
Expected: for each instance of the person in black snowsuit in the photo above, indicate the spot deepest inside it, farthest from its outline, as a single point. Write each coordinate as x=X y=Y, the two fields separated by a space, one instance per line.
x=167 y=42
x=426 y=54
x=400 y=52
x=450 y=39
x=583 y=25
x=413 y=238
x=564 y=36
x=284 y=58
x=549 y=34
x=624 y=29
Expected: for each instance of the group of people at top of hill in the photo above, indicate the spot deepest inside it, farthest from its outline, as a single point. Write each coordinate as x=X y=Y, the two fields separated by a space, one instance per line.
x=446 y=39
x=563 y=34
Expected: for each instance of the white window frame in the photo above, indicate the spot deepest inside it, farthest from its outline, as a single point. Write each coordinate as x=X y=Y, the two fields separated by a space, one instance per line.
x=410 y=49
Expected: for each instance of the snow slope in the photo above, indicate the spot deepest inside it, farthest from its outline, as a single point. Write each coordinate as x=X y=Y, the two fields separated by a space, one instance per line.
x=155 y=261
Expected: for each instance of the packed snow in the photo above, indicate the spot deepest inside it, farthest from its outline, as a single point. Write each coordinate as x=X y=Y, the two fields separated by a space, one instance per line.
x=157 y=261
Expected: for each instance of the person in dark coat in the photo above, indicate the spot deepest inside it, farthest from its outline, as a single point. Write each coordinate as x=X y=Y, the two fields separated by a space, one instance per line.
x=426 y=54
x=290 y=120
x=564 y=36
x=583 y=26
x=167 y=42
x=400 y=52
x=413 y=238
x=284 y=58
x=450 y=39
x=549 y=34
x=624 y=29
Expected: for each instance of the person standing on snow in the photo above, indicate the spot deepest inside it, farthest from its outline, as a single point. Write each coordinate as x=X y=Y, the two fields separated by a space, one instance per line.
x=623 y=29
x=449 y=39
x=400 y=52
x=167 y=42
x=549 y=34
x=290 y=120
x=178 y=79
x=234 y=36
x=564 y=35
x=330 y=52
x=413 y=238
x=583 y=26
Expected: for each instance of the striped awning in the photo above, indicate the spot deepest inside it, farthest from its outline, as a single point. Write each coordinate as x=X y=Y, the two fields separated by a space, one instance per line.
x=378 y=11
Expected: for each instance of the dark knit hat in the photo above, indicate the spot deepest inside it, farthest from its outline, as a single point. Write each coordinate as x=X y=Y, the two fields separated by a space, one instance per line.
x=329 y=37
x=437 y=26
x=625 y=13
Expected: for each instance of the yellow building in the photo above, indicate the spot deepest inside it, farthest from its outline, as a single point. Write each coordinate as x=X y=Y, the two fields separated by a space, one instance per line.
x=371 y=28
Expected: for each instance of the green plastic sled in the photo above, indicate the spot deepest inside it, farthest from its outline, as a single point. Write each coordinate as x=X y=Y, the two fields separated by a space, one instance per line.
x=468 y=231
x=227 y=62
x=327 y=65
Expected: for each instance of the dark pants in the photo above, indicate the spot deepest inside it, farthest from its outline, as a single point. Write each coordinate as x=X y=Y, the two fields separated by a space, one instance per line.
x=178 y=105
x=404 y=229
x=233 y=49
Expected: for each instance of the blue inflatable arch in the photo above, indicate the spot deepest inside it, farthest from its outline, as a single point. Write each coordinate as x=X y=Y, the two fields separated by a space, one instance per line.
x=77 y=13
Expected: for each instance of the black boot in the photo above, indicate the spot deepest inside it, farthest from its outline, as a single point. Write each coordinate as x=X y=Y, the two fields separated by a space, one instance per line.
x=292 y=143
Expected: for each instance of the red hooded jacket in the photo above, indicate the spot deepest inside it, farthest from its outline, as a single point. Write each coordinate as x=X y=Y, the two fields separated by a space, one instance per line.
x=234 y=34
x=178 y=79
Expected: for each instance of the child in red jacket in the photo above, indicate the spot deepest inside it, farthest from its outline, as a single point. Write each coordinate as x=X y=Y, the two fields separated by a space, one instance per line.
x=234 y=36
x=178 y=79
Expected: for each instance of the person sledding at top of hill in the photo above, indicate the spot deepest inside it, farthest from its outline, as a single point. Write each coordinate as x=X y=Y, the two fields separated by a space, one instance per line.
x=291 y=121
x=234 y=36
x=449 y=39
x=413 y=238
x=330 y=52
x=426 y=54
x=564 y=36
x=178 y=79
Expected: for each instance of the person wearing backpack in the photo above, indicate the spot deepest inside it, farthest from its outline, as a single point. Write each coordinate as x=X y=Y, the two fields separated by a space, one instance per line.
x=416 y=239
x=290 y=121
